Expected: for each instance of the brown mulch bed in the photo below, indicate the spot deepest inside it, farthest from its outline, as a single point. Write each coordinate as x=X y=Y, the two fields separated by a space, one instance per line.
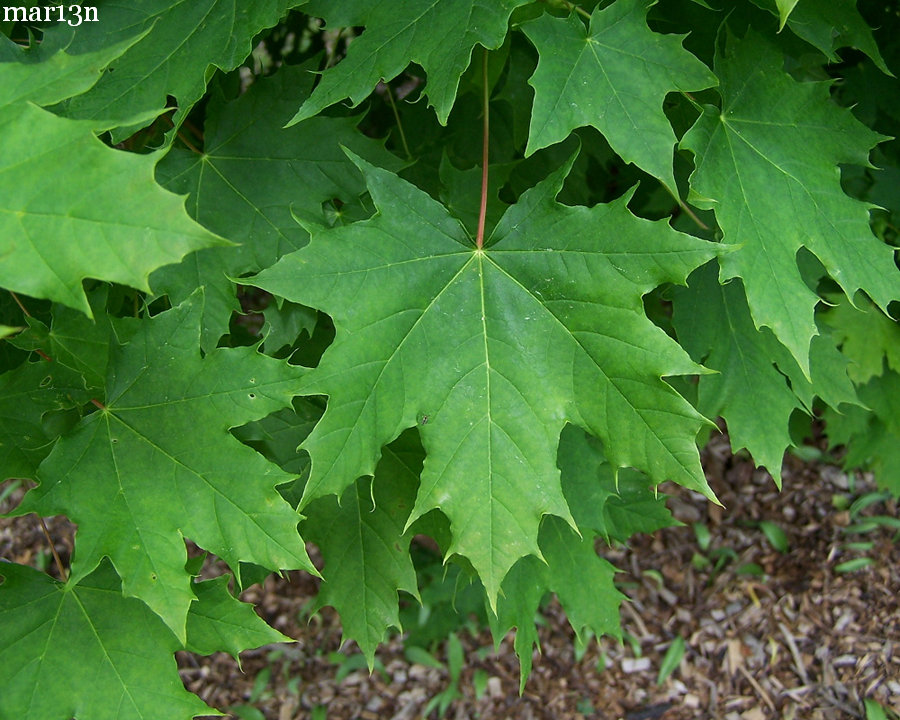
x=795 y=640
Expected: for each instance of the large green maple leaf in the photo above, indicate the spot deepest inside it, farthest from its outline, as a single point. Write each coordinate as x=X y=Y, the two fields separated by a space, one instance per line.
x=99 y=214
x=181 y=41
x=613 y=76
x=491 y=351
x=768 y=163
x=439 y=35
x=83 y=651
x=156 y=465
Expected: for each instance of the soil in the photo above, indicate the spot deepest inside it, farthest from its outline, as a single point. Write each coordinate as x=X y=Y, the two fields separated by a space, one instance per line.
x=767 y=634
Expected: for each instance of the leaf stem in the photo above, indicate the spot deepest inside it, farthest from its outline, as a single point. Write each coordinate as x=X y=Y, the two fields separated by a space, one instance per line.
x=98 y=404
x=482 y=211
x=570 y=6
x=56 y=558
x=390 y=97
x=19 y=303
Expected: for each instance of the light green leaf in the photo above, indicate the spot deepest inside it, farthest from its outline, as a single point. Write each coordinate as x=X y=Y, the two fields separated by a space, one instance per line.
x=44 y=73
x=439 y=35
x=614 y=77
x=785 y=7
x=99 y=214
x=180 y=45
x=84 y=651
x=498 y=348
x=251 y=180
x=157 y=465
x=219 y=622
x=768 y=163
x=671 y=660
x=365 y=547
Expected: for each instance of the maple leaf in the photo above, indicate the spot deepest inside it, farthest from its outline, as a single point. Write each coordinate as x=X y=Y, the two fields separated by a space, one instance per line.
x=157 y=464
x=868 y=338
x=365 y=546
x=871 y=436
x=439 y=35
x=85 y=651
x=828 y=25
x=768 y=163
x=219 y=622
x=99 y=214
x=27 y=394
x=44 y=73
x=251 y=179
x=751 y=390
x=613 y=505
x=179 y=44
x=491 y=352
x=613 y=76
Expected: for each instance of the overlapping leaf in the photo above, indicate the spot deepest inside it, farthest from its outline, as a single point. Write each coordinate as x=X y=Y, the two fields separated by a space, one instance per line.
x=99 y=214
x=156 y=464
x=252 y=177
x=439 y=35
x=45 y=73
x=182 y=40
x=492 y=351
x=613 y=76
x=768 y=163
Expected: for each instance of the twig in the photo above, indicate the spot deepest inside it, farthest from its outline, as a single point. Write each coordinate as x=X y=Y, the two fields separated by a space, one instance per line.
x=56 y=558
x=795 y=653
x=19 y=303
x=756 y=686
x=390 y=97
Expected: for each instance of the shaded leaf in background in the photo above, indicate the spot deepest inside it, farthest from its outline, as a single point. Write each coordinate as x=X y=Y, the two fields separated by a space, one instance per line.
x=439 y=35
x=490 y=352
x=827 y=25
x=77 y=346
x=99 y=214
x=85 y=651
x=27 y=394
x=250 y=181
x=613 y=76
x=181 y=41
x=868 y=338
x=768 y=163
x=751 y=389
x=156 y=465
x=582 y=581
x=613 y=505
x=872 y=437
x=365 y=548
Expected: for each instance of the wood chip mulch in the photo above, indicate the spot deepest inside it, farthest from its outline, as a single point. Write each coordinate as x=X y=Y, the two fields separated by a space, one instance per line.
x=791 y=639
